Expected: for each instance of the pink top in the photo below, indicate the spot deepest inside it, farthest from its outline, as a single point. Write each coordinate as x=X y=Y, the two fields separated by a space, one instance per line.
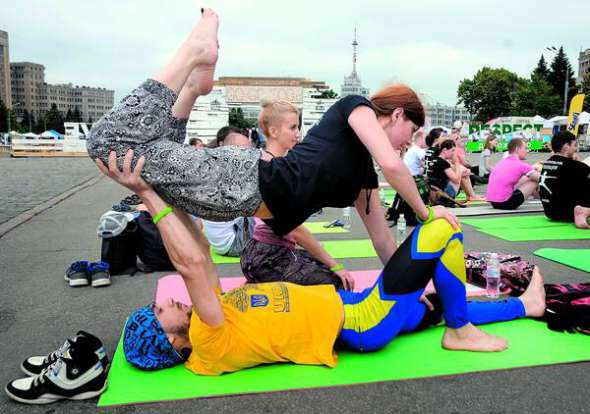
x=504 y=177
x=264 y=234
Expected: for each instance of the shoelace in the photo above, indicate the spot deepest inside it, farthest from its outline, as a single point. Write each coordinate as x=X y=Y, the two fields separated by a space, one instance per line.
x=53 y=368
x=54 y=356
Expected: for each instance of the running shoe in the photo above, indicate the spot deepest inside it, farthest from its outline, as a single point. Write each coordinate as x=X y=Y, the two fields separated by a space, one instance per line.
x=36 y=364
x=76 y=375
x=99 y=274
x=77 y=274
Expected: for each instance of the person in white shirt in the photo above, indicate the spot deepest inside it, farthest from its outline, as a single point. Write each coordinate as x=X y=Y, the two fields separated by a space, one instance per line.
x=414 y=158
x=228 y=238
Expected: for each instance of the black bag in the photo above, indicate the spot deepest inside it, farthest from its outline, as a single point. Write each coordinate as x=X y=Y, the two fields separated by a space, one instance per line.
x=568 y=307
x=120 y=252
x=151 y=251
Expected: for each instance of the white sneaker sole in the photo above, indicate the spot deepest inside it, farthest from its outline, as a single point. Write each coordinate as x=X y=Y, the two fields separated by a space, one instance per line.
x=101 y=282
x=76 y=282
x=49 y=398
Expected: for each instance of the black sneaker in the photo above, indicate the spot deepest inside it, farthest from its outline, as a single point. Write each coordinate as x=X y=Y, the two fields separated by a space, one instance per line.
x=34 y=365
x=77 y=375
x=99 y=274
x=77 y=274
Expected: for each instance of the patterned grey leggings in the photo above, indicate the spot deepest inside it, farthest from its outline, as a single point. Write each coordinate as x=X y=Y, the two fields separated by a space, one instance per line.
x=218 y=184
x=264 y=262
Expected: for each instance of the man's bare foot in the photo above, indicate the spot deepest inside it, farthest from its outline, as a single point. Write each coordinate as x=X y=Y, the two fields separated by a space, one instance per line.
x=203 y=47
x=533 y=297
x=581 y=215
x=475 y=197
x=470 y=338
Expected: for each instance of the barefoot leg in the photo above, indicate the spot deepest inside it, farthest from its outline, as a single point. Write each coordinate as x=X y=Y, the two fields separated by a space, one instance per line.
x=533 y=297
x=470 y=338
x=198 y=52
x=581 y=215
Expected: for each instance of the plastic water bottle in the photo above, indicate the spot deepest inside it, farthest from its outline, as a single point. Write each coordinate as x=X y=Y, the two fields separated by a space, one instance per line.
x=401 y=229
x=493 y=276
x=346 y=217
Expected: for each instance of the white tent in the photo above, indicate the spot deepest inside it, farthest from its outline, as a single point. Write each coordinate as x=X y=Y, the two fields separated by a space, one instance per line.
x=584 y=118
x=538 y=119
x=30 y=135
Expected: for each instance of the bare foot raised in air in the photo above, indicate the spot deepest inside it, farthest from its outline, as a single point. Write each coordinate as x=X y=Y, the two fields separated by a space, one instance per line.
x=203 y=46
x=581 y=215
x=470 y=338
x=533 y=297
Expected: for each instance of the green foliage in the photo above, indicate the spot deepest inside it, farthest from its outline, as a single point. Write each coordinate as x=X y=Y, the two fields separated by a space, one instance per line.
x=77 y=116
x=3 y=117
x=327 y=94
x=535 y=97
x=489 y=94
x=54 y=120
x=541 y=71
x=560 y=68
x=236 y=119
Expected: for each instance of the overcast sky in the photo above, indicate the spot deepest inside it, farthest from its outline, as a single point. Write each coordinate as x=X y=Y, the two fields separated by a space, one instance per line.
x=429 y=44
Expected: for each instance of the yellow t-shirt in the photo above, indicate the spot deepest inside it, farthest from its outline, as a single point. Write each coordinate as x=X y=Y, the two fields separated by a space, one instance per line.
x=266 y=323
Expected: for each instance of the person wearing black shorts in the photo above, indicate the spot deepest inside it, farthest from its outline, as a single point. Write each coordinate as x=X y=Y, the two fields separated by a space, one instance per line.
x=564 y=185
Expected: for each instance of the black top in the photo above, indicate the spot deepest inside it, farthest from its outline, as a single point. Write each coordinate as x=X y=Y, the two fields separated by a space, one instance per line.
x=435 y=172
x=564 y=183
x=429 y=154
x=327 y=169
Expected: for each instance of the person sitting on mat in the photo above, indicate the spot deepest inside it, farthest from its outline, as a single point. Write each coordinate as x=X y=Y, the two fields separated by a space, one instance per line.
x=281 y=322
x=269 y=257
x=564 y=185
x=485 y=167
x=414 y=156
x=448 y=175
x=228 y=238
x=331 y=167
x=512 y=180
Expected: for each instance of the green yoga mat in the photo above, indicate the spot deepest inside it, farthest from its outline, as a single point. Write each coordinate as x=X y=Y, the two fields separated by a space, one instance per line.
x=317 y=227
x=338 y=249
x=576 y=258
x=527 y=228
x=416 y=355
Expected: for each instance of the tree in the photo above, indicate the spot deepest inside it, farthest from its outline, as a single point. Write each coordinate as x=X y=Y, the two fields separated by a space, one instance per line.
x=54 y=120
x=77 y=117
x=27 y=121
x=3 y=117
x=585 y=89
x=69 y=116
x=560 y=68
x=236 y=119
x=327 y=94
x=535 y=97
x=541 y=71
x=489 y=94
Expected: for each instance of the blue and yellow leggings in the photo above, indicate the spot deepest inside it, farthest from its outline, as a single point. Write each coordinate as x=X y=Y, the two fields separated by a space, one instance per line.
x=373 y=317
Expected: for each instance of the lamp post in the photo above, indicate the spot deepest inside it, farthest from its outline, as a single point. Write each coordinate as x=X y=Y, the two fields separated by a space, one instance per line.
x=553 y=49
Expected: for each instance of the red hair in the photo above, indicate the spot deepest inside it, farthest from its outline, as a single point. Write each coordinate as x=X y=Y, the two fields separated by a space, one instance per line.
x=395 y=96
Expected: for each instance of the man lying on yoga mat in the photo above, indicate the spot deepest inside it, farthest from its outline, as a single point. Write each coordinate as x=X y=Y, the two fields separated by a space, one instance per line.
x=280 y=322
x=564 y=185
x=331 y=167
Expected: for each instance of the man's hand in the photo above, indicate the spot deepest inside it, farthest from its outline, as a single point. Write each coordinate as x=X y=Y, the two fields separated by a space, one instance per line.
x=126 y=177
x=347 y=279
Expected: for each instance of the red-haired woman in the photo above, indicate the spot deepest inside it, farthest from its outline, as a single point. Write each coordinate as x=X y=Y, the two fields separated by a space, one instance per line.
x=331 y=167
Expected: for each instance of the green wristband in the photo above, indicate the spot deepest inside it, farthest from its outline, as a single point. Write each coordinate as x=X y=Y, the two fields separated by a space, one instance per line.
x=429 y=218
x=161 y=214
x=336 y=268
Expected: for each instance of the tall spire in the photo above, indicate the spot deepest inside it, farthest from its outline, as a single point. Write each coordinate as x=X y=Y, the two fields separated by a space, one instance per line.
x=354 y=46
